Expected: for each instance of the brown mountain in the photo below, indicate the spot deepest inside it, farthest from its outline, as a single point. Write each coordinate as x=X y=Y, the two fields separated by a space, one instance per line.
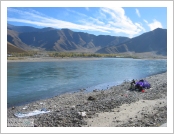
x=59 y=40
x=13 y=49
x=51 y=39
x=153 y=41
x=67 y=40
x=13 y=38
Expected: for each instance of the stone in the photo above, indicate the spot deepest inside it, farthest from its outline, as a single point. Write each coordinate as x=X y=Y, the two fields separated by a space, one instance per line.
x=95 y=90
x=91 y=98
x=83 y=114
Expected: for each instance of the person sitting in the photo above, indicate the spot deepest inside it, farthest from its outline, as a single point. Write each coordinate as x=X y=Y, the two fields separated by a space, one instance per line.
x=132 y=87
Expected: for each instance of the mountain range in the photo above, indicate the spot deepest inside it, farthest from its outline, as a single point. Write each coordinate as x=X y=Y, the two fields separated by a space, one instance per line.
x=27 y=38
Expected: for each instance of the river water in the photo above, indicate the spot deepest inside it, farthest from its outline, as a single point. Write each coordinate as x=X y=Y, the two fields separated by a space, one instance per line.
x=31 y=81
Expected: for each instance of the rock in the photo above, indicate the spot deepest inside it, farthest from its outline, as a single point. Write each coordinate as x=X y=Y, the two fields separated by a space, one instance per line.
x=89 y=116
x=83 y=89
x=83 y=114
x=91 y=98
x=25 y=107
x=148 y=124
x=72 y=108
x=151 y=123
x=95 y=90
x=130 y=121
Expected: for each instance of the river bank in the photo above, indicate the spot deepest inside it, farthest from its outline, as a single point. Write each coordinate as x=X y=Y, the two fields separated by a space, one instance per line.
x=47 y=59
x=51 y=59
x=115 y=107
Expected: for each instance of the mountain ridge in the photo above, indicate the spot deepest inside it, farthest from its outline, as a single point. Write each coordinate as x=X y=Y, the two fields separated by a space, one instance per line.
x=66 y=40
x=155 y=40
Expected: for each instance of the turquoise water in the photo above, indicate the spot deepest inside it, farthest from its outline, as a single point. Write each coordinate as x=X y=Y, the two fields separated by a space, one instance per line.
x=30 y=81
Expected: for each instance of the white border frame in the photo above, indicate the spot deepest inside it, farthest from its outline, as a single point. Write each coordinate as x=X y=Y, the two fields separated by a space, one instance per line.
x=168 y=4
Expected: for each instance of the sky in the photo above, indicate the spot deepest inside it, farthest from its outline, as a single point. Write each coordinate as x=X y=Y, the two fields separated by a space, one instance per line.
x=115 y=21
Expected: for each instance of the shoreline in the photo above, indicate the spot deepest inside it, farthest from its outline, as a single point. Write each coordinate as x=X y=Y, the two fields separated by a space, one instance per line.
x=52 y=59
x=65 y=109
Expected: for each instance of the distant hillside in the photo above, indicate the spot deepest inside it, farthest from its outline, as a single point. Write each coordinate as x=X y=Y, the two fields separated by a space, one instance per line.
x=21 y=29
x=13 y=49
x=153 y=41
x=59 y=40
x=66 y=40
x=12 y=37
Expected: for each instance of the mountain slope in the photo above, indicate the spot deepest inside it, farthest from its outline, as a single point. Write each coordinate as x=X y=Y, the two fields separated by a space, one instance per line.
x=155 y=40
x=13 y=38
x=13 y=49
x=60 y=40
x=65 y=40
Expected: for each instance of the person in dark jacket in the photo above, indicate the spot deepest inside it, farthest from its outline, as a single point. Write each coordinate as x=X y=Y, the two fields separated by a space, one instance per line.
x=132 y=85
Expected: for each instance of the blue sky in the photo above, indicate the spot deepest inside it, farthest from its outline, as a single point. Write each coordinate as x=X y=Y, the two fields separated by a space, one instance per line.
x=115 y=21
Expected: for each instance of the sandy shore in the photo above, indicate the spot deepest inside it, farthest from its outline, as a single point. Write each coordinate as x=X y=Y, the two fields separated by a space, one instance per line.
x=127 y=114
x=115 y=107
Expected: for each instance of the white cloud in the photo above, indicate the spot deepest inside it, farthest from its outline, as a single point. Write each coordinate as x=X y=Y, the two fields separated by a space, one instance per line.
x=139 y=25
x=137 y=12
x=155 y=24
x=145 y=21
x=108 y=20
x=120 y=23
x=77 y=13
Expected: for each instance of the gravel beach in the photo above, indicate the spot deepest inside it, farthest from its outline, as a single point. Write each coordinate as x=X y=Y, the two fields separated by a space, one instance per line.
x=114 y=107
